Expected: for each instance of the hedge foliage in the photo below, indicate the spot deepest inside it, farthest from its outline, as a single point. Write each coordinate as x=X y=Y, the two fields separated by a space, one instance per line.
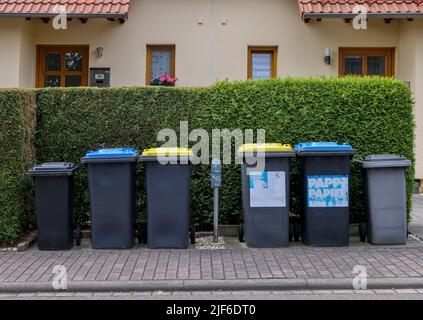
x=373 y=114
x=70 y=122
x=17 y=114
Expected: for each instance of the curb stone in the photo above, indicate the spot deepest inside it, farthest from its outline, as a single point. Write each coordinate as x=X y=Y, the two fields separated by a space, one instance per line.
x=214 y=285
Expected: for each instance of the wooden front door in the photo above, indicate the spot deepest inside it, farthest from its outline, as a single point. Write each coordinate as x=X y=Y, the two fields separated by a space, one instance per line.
x=62 y=66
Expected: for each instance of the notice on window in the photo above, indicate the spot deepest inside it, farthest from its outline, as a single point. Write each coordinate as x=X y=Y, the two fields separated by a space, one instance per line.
x=267 y=189
x=328 y=191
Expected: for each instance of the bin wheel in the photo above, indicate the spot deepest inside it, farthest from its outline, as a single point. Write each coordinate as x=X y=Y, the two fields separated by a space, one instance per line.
x=241 y=233
x=291 y=231
x=192 y=234
x=362 y=230
x=142 y=233
x=78 y=235
x=297 y=232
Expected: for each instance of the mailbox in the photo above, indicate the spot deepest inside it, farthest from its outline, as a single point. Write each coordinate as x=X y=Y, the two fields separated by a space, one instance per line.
x=100 y=77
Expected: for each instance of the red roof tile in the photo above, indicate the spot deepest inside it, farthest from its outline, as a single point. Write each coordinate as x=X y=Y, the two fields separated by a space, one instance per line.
x=79 y=8
x=373 y=7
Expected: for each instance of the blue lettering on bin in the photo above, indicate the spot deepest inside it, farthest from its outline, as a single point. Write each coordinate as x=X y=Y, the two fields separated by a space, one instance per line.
x=328 y=191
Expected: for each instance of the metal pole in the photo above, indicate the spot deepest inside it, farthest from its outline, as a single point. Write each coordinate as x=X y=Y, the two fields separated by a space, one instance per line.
x=216 y=215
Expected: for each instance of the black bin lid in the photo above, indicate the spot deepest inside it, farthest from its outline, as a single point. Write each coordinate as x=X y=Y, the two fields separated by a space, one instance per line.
x=53 y=169
x=384 y=157
x=385 y=161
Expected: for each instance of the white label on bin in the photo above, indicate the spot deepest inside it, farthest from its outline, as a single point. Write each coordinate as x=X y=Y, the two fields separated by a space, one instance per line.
x=267 y=189
x=327 y=191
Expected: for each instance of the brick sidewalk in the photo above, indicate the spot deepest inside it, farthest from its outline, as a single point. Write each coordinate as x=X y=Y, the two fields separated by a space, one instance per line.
x=295 y=262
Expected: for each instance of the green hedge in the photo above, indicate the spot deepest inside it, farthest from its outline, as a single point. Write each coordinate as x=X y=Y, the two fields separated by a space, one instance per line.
x=17 y=116
x=373 y=114
x=72 y=121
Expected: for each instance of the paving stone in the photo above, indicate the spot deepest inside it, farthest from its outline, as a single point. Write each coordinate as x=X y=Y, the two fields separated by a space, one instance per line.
x=365 y=291
x=142 y=294
x=26 y=295
x=45 y=294
x=102 y=294
x=411 y=291
x=7 y=295
x=322 y=291
x=384 y=291
x=83 y=294
x=344 y=291
x=65 y=294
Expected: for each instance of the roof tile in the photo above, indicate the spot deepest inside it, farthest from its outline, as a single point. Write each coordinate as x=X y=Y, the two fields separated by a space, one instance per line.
x=372 y=6
x=73 y=7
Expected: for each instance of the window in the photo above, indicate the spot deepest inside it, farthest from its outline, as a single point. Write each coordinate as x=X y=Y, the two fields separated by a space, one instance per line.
x=367 y=61
x=62 y=66
x=262 y=62
x=160 y=60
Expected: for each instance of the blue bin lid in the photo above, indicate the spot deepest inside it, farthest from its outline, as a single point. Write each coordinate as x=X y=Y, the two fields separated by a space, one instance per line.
x=323 y=146
x=112 y=153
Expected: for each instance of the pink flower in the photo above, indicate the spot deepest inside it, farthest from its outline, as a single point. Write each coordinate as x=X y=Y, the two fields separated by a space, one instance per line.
x=165 y=78
x=172 y=80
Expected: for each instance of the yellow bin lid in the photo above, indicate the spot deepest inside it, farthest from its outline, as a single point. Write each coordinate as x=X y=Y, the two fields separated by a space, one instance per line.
x=265 y=147
x=166 y=152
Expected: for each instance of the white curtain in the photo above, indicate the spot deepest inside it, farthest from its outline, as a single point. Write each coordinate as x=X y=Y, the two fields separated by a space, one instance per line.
x=160 y=63
x=261 y=66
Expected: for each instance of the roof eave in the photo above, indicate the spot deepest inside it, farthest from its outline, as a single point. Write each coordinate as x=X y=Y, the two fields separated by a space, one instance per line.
x=306 y=15
x=69 y=15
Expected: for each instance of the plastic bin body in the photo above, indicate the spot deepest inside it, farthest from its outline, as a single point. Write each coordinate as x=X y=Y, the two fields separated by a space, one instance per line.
x=54 y=204
x=168 y=198
x=112 y=187
x=325 y=223
x=386 y=200
x=266 y=225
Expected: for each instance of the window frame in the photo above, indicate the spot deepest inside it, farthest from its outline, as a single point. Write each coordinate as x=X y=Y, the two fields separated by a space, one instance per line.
x=43 y=49
x=389 y=53
x=160 y=47
x=263 y=49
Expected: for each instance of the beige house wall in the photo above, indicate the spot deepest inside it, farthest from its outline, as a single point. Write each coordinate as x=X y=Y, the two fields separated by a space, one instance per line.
x=418 y=90
x=410 y=69
x=17 y=56
x=10 y=30
x=217 y=48
x=27 y=56
x=211 y=38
